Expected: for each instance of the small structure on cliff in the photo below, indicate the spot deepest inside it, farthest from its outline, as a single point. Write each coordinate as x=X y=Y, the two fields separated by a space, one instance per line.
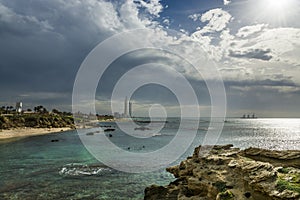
x=19 y=106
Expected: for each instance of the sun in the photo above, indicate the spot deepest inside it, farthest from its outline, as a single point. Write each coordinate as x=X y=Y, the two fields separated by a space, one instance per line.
x=275 y=11
x=276 y=5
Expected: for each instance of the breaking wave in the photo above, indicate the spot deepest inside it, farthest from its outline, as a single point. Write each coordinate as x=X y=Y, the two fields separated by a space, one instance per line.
x=78 y=170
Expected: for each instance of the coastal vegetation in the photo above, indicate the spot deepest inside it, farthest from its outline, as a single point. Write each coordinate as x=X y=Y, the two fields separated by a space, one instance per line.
x=104 y=117
x=288 y=180
x=39 y=118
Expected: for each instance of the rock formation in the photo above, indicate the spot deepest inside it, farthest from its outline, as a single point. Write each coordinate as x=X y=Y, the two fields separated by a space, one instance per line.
x=230 y=173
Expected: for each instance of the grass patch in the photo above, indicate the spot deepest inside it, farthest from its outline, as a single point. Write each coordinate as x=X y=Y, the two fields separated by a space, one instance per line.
x=284 y=170
x=286 y=185
x=226 y=195
x=296 y=179
x=221 y=186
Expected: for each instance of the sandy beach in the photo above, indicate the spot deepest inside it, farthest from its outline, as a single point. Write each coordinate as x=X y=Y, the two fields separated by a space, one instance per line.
x=26 y=132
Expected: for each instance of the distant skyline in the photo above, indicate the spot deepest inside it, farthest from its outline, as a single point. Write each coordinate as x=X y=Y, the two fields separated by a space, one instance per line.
x=254 y=43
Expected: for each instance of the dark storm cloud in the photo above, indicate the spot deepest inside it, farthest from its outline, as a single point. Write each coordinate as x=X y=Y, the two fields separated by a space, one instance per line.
x=42 y=43
x=151 y=92
x=259 y=54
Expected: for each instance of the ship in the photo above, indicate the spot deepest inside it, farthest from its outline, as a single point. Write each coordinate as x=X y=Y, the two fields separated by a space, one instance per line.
x=248 y=116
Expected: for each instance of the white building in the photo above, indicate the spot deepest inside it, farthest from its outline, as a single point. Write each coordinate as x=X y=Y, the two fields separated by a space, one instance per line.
x=19 y=107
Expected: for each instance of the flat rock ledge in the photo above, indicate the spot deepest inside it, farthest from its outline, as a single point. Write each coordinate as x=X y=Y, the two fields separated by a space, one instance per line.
x=225 y=173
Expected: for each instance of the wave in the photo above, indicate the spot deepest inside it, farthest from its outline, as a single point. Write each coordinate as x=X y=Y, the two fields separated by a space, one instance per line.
x=79 y=170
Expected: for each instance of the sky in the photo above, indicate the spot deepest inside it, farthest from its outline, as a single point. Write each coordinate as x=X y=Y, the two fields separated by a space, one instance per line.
x=254 y=44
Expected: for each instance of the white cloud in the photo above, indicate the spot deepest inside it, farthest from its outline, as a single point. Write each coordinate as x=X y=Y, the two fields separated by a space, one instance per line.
x=226 y=2
x=194 y=17
x=217 y=20
x=129 y=15
x=183 y=31
x=153 y=6
x=103 y=14
x=91 y=15
x=166 y=22
x=247 y=31
x=242 y=55
x=283 y=43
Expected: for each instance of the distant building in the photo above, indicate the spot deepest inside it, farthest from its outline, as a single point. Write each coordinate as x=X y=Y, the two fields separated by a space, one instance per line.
x=117 y=115
x=130 y=109
x=126 y=107
x=19 y=107
x=127 y=110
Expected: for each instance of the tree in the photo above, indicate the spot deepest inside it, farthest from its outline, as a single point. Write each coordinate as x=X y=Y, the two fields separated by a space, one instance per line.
x=56 y=111
x=40 y=109
x=2 y=109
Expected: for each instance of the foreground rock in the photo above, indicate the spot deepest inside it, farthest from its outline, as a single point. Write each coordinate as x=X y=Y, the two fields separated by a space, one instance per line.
x=230 y=173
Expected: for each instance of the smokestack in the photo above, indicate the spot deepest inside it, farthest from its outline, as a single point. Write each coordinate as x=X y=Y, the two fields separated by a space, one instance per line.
x=130 y=109
x=126 y=107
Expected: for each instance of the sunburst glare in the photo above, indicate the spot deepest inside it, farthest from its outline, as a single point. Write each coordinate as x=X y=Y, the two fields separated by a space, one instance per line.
x=276 y=12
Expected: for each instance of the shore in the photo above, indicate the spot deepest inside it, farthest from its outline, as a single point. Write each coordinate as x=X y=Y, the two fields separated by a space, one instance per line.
x=27 y=132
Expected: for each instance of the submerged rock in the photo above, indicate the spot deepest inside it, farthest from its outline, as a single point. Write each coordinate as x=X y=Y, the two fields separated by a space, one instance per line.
x=225 y=172
x=109 y=129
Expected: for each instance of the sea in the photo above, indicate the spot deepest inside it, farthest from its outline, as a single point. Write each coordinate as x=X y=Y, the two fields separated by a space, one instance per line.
x=59 y=166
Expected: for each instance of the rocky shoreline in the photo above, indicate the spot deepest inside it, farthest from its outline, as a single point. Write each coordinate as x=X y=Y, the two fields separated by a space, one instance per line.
x=230 y=173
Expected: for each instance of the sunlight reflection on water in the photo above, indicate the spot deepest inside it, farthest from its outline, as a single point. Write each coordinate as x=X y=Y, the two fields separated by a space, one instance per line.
x=279 y=133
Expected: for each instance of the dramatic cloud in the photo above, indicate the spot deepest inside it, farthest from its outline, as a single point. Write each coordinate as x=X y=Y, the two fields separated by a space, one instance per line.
x=43 y=43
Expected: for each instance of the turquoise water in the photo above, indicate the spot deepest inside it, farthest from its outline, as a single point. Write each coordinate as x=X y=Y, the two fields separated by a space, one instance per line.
x=36 y=168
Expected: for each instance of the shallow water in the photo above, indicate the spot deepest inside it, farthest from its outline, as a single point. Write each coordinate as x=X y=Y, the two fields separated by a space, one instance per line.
x=36 y=168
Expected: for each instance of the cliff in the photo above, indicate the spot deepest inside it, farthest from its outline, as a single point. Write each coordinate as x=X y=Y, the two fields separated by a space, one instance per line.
x=230 y=173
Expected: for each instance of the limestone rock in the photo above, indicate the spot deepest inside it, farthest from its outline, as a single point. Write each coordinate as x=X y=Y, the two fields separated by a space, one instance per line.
x=224 y=172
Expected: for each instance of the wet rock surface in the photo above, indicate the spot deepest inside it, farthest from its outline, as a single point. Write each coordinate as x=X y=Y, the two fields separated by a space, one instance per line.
x=224 y=172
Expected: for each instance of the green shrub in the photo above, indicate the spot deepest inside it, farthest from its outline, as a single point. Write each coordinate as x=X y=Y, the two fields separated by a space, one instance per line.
x=227 y=195
x=284 y=170
x=285 y=185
